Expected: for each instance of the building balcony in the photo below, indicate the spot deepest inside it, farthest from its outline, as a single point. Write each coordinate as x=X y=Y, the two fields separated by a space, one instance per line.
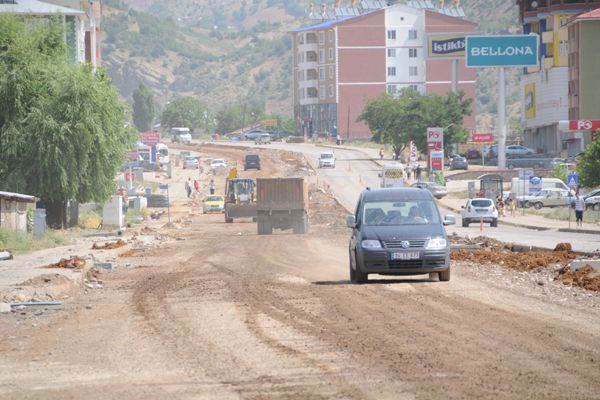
x=308 y=65
x=309 y=101
x=306 y=47
x=309 y=83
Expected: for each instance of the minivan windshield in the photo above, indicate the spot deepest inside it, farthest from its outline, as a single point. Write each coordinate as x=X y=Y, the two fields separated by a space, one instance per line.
x=326 y=155
x=413 y=212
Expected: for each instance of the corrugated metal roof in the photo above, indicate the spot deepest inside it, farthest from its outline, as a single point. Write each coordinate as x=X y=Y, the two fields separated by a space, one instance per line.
x=595 y=14
x=35 y=7
x=17 y=196
x=322 y=25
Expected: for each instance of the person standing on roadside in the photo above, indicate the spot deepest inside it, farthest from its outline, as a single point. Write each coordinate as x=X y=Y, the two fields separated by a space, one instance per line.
x=579 y=206
x=188 y=187
x=197 y=185
x=211 y=186
x=418 y=173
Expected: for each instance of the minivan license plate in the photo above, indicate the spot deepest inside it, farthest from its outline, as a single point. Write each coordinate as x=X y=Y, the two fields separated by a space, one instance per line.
x=409 y=255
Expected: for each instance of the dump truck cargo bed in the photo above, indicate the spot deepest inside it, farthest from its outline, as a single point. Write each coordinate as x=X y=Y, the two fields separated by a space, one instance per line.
x=281 y=194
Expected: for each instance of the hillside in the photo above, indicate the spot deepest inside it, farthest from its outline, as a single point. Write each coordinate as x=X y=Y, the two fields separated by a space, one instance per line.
x=225 y=53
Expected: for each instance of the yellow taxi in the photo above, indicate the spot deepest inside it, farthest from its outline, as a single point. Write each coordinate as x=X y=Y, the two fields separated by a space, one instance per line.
x=213 y=203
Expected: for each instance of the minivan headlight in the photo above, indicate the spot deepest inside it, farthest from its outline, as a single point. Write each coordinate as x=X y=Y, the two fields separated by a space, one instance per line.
x=437 y=243
x=371 y=244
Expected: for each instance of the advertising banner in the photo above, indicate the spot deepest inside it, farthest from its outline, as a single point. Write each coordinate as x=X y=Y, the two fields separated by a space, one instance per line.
x=530 y=101
x=450 y=46
x=482 y=138
x=150 y=137
x=502 y=51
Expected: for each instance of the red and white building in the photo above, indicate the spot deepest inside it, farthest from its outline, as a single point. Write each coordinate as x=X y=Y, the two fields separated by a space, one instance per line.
x=342 y=62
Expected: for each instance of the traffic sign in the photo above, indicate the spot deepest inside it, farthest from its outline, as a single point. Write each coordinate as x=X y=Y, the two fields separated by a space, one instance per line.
x=535 y=184
x=525 y=173
x=502 y=51
x=163 y=186
x=572 y=180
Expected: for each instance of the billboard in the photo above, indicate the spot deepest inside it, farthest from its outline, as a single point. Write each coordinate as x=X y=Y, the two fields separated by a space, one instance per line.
x=530 y=101
x=449 y=46
x=502 y=51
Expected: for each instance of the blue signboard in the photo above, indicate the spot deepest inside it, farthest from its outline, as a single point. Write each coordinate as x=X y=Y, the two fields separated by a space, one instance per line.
x=502 y=51
x=572 y=180
x=535 y=184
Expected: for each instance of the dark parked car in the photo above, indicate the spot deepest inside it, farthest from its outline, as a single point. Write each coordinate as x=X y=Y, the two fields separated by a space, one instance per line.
x=398 y=231
x=253 y=134
x=252 y=161
x=459 y=162
x=472 y=154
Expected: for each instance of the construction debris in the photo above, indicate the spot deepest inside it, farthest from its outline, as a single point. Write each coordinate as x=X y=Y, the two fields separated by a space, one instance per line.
x=586 y=277
x=69 y=263
x=109 y=245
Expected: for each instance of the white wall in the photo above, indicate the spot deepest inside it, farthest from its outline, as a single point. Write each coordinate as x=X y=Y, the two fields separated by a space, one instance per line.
x=552 y=96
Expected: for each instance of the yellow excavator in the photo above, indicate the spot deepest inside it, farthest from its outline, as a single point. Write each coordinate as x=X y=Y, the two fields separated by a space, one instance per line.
x=240 y=197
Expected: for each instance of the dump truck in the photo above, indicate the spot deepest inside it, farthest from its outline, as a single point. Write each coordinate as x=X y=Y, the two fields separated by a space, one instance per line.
x=281 y=203
x=240 y=198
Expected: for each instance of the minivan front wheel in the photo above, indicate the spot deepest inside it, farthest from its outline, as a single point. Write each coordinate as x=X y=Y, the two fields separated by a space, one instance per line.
x=444 y=275
x=356 y=275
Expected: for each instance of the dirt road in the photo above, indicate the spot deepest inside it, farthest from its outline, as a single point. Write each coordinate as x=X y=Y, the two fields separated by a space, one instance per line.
x=228 y=314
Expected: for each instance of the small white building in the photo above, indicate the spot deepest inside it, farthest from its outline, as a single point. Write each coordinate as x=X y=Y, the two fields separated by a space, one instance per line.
x=13 y=210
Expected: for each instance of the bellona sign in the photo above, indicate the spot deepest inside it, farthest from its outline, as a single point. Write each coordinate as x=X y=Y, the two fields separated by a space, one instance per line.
x=502 y=51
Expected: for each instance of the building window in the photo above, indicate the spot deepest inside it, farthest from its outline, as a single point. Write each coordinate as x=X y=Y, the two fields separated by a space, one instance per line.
x=413 y=71
x=321 y=92
x=412 y=53
x=321 y=37
x=391 y=34
x=391 y=53
x=330 y=90
x=392 y=89
x=321 y=55
x=331 y=71
x=330 y=54
x=391 y=71
x=412 y=34
x=322 y=73
x=413 y=87
x=331 y=36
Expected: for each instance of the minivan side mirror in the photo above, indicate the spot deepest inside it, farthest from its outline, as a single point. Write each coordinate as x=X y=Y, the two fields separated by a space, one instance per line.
x=351 y=221
x=449 y=219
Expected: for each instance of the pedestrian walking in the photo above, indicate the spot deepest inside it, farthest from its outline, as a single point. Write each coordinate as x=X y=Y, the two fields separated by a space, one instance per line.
x=418 y=173
x=408 y=172
x=512 y=206
x=188 y=187
x=579 y=206
x=381 y=153
x=211 y=186
x=197 y=185
x=500 y=206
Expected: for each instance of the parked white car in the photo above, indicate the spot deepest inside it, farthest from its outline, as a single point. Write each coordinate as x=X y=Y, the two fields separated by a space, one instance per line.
x=264 y=138
x=327 y=159
x=479 y=208
x=191 y=162
x=547 y=198
x=218 y=162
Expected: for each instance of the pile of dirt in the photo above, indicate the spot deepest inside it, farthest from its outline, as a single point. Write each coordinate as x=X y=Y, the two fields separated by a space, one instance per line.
x=325 y=211
x=563 y=247
x=133 y=253
x=147 y=230
x=46 y=280
x=109 y=245
x=519 y=261
x=68 y=263
x=586 y=277
x=481 y=241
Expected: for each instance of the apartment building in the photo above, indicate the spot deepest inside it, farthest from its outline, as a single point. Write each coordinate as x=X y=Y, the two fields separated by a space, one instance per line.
x=342 y=62
x=81 y=19
x=546 y=88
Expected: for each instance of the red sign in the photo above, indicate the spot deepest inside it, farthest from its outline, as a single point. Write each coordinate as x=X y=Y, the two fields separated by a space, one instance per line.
x=584 y=125
x=482 y=138
x=129 y=177
x=150 y=137
x=437 y=163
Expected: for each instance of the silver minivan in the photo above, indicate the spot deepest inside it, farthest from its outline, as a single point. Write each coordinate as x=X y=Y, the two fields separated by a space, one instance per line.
x=398 y=231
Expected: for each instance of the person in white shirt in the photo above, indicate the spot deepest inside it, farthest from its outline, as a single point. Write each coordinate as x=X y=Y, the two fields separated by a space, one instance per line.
x=579 y=205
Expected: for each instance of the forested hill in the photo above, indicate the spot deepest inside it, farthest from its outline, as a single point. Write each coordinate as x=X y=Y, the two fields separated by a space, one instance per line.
x=227 y=51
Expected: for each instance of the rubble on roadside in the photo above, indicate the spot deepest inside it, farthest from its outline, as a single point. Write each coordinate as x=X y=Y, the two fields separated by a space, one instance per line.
x=587 y=277
x=74 y=262
x=109 y=245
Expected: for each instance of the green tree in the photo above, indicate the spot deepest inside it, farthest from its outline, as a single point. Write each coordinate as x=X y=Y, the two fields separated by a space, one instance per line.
x=62 y=132
x=186 y=112
x=143 y=108
x=400 y=120
x=589 y=166
x=240 y=115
